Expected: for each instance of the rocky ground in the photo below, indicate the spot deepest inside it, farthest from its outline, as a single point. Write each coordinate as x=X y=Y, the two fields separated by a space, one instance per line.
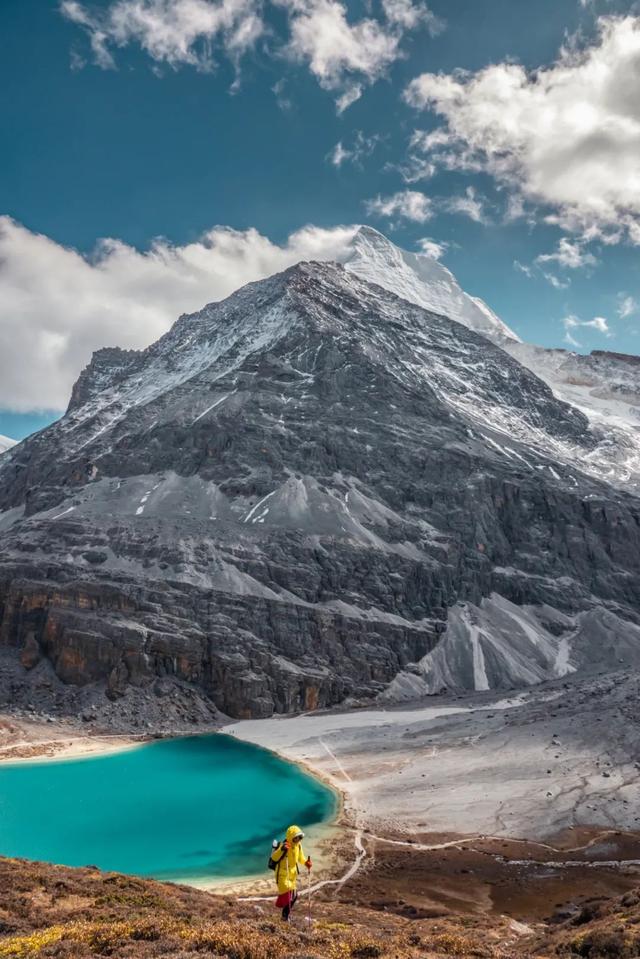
x=529 y=765
x=163 y=707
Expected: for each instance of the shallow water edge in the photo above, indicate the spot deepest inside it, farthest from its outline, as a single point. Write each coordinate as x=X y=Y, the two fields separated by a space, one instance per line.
x=237 y=761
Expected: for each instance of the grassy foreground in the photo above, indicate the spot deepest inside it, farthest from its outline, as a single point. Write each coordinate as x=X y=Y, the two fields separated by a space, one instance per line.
x=52 y=911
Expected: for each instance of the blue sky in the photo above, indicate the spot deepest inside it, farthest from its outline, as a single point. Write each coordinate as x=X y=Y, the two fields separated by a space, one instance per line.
x=118 y=126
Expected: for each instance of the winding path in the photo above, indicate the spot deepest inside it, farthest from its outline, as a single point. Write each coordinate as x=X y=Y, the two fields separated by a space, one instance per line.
x=361 y=854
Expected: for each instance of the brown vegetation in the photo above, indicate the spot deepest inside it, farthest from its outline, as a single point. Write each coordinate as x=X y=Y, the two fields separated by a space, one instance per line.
x=54 y=911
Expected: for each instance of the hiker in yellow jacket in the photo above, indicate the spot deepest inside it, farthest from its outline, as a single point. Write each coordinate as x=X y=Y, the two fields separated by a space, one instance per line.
x=288 y=858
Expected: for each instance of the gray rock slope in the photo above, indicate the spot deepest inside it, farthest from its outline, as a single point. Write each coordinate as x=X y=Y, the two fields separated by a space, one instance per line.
x=605 y=386
x=280 y=500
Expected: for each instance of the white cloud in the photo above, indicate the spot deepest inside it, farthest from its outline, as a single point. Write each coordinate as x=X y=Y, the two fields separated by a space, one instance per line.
x=600 y=324
x=468 y=205
x=523 y=268
x=570 y=254
x=410 y=15
x=566 y=136
x=336 y=50
x=627 y=306
x=433 y=248
x=415 y=169
x=556 y=282
x=516 y=209
x=339 y=155
x=416 y=206
x=174 y=32
x=361 y=148
x=344 y=56
x=278 y=89
x=572 y=323
x=57 y=306
x=352 y=92
x=532 y=273
x=406 y=204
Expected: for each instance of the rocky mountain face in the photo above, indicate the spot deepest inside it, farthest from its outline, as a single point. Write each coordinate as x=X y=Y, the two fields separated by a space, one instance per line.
x=605 y=386
x=286 y=501
x=6 y=444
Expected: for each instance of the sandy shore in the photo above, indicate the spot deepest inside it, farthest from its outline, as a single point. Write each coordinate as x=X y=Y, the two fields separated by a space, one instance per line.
x=26 y=740
x=520 y=804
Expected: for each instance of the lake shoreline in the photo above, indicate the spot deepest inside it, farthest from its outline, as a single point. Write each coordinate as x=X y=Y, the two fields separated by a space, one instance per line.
x=24 y=740
x=454 y=778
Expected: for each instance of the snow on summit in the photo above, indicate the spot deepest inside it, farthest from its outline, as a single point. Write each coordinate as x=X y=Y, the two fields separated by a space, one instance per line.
x=422 y=280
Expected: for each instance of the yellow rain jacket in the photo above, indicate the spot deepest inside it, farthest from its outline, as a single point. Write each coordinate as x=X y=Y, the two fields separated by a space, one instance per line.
x=288 y=861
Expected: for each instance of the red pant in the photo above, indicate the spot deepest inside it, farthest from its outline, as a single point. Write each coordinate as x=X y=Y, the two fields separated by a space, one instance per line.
x=286 y=901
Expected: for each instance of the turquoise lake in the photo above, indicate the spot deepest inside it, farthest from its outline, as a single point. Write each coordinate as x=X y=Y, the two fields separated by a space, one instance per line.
x=189 y=808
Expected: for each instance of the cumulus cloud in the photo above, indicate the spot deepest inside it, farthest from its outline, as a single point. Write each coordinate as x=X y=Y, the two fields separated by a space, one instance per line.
x=406 y=205
x=174 y=32
x=566 y=136
x=57 y=306
x=335 y=50
x=344 y=56
x=571 y=324
x=321 y=34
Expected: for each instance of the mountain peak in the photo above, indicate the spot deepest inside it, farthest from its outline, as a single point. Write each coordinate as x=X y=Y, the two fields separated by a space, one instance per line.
x=421 y=279
x=278 y=501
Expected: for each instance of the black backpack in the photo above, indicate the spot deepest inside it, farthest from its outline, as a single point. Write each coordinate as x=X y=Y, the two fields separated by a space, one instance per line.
x=273 y=863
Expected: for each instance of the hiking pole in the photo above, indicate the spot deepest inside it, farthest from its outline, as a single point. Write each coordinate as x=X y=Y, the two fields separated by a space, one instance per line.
x=309 y=899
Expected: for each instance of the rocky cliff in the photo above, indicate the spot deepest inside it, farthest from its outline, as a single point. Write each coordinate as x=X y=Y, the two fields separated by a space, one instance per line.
x=281 y=499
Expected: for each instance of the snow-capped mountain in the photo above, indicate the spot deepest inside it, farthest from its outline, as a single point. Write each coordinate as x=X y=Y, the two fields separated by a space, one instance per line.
x=421 y=279
x=281 y=500
x=324 y=304
x=604 y=386
x=6 y=443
